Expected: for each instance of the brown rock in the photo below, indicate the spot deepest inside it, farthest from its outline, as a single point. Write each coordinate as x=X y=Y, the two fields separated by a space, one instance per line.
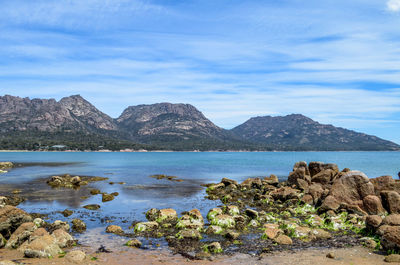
x=373 y=205
x=284 y=193
x=330 y=255
x=373 y=221
x=392 y=258
x=330 y=203
x=271 y=233
x=228 y=182
x=316 y=191
x=20 y=235
x=63 y=239
x=392 y=219
x=114 y=229
x=11 y=218
x=41 y=247
x=134 y=243
x=391 y=201
x=391 y=238
x=307 y=198
x=75 y=256
x=252 y=183
x=271 y=180
x=317 y=167
x=283 y=240
x=351 y=188
x=382 y=183
x=324 y=177
x=78 y=225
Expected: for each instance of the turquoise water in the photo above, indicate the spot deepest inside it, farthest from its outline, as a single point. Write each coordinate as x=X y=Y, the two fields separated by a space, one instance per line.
x=142 y=192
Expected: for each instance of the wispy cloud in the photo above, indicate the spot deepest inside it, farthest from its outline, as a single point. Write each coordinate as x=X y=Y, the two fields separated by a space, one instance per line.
x=393 y=5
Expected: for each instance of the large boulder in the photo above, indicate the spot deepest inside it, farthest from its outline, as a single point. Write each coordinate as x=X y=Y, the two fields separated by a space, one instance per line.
x=11 y=218
x=324 y=177
x=391 y=238
x=373 y=205
x=20 y=235
x=392 y=219
x=41 y=247
x=382 y=183
x=316 y=191
x=351 y=188
x=252 y=183
x=391 y=201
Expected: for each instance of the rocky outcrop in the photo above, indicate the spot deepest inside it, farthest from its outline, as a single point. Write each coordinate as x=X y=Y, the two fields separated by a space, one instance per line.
x=11 y=218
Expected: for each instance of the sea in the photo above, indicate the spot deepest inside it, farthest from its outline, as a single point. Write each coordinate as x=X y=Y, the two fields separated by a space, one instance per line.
x=140 y=192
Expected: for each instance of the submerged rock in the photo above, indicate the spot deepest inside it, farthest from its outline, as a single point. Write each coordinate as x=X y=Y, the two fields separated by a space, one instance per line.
x=133 y=243
x=107 y=197
x=92 y=207
x=78 y=225
x=114 y=229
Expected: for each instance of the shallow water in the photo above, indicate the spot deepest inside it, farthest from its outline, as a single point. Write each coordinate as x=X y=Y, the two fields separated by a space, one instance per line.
x=141 y=192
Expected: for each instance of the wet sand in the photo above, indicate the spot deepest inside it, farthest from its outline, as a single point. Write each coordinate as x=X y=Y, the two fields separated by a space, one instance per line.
x=355 y=255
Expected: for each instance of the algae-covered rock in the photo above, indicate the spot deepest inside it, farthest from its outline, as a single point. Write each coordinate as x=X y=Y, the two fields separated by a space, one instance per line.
x=189 y=234
x=92 y=207
x=214 y=229
x=214 y=247
x=135 y=243
x=78 y=225
x=107 y=197
x=11 y=218
x=232 y=210
x=213 y=213
x=145 y=226
x=224 y=221
x=188 y=222
x=162 y=216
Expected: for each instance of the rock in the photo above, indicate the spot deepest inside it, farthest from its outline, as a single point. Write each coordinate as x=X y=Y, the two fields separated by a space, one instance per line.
x=300 y=171
x=307 y=198
x=392 y=219
x=67 y=213
x=351 y=188
x=283 y=240
x=215 y=188
x=6 y=165
x=76 y=180
x=214 y=247
x=145 y=226
x=330 y=255
x=302 y=232
x=228 y=182
x=373 y=221
x=252 y=183
x=214 y=229
x=63 y=239
x=232 y=210
x=195 y=214
x=316 y=191
x=382 y=183
x=284 y=193
x=224 y=221
x=7 y=262
x=114 y=229
x=107 y=197
x=271 y=180
x=382 y=229
x=392 y=258
x=41 y=247
x=39 y=222
x=252 y=214
x=232 y=235
x=189 y=234
x=152 y=214
x=75 y=256
x=167 y=216
x=324 y=177
x=20 y=235
x=302 y=184
x=317 y=167
x=373 y=205
x=11 y=218
x=60 y=225
x=213 y=213
x=95 y=191
x=3 y=241
x=188 y=222
x=38 y=233
x=330 y=203
x=321 y=234
x=369 y=243
x=391 y=201
x=134 y=243
x=271 y=233
x=92 y=207
x=78 y=225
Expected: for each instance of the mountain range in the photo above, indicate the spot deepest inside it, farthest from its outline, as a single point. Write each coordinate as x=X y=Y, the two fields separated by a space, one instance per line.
x=75 y=123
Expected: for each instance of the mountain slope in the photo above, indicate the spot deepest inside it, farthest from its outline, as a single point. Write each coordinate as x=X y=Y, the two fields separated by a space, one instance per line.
x=179 y=126
x=297 y=132
x=47 y=115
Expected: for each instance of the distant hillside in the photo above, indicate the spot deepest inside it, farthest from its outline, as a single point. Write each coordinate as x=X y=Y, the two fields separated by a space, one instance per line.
x=39 y=124
x=298 y=132
x=177 y=126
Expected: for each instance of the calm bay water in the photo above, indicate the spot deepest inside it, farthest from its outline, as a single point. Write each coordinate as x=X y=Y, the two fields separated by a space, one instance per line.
x=142 y=192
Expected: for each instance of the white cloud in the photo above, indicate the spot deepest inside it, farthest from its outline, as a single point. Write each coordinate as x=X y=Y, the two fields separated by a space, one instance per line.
x=393 y=5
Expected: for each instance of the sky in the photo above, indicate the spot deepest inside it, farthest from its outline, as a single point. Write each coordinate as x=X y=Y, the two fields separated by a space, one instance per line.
x=335 y=61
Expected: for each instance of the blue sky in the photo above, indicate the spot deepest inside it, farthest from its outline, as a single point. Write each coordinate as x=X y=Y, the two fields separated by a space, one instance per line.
x=336 y=61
